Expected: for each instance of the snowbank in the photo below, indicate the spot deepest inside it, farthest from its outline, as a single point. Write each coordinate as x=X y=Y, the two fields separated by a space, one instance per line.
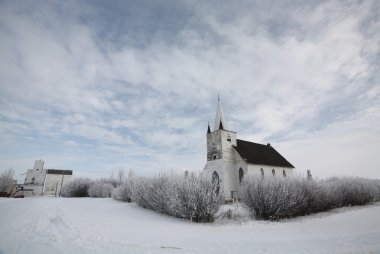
x=85 y=225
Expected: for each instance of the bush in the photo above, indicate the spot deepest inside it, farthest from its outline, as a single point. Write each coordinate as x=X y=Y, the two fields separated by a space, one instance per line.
x=277 y=198
x=6 y=181
x=76 y=188
x=191 y=197
x=112 y=181
x=124 y=191
x=352 y=191
x=100 y=189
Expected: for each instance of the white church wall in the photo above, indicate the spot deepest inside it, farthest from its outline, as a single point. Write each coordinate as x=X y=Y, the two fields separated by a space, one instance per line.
x=232 y=167
x=255 y=171
x=230 y=179
x=228 y=139
x=215 y=166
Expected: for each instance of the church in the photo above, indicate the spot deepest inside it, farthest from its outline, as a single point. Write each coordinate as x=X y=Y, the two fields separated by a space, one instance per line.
x=230 y=159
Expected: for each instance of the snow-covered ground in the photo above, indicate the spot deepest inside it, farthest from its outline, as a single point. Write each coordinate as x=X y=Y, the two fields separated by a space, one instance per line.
x=85 y=225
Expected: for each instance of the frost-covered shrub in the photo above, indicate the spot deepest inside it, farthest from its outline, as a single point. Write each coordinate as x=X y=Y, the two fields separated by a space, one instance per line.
x=6 y=180
x=277 y=198
x=76 y=188
x=191 y=197
x=100 y=189
x=124 y=191
x=348 y=191
x=114 y=182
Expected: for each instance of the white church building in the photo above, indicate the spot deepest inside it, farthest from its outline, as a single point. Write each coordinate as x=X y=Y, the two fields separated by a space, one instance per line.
x=230 y=159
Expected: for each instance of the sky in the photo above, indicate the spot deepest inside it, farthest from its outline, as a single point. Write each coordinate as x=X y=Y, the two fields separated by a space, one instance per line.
x=99 y=86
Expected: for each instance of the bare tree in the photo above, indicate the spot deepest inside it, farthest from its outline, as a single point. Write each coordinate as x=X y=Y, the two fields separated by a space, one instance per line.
x=131 y=173
x=6 y=180
x=120 y=176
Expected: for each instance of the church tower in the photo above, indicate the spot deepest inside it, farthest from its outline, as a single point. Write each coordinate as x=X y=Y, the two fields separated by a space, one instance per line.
x=220 y=158
x=221 y=140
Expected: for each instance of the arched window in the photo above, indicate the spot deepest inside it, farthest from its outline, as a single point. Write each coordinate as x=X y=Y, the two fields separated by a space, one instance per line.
x=284 y=173
x=273 y=172
x=215 y=178
x=241 y=175
x=262 y=172
x=229 y=138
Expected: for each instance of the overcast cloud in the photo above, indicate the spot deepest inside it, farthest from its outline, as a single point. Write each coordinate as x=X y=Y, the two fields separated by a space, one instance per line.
x=96 y=86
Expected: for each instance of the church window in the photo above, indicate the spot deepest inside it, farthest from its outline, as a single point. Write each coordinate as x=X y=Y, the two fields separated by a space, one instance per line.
x=229 y=138
x=215 y=178
x=241 y=175
x=273 y=172
x=284 y=173
x=262 y=172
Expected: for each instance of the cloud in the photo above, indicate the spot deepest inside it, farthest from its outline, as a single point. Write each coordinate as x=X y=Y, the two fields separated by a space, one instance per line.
x=70 y=143
x=345 y=148
x=132 y=86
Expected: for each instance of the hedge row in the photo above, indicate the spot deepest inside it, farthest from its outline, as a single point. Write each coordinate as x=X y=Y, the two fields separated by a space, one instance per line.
x=278 y=198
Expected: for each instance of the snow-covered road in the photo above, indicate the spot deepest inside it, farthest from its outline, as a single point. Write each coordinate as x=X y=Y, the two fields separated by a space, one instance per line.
x=85 y=225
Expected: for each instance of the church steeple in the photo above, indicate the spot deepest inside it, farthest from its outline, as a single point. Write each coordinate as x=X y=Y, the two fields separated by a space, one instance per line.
x=220 y=121
x=208 y=128
x=221 y=126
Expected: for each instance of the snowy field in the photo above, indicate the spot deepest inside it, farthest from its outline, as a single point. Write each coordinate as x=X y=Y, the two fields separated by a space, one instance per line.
x=85 y=225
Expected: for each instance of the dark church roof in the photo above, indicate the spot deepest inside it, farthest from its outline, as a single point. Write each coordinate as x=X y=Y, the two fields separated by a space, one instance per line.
x=254 y=153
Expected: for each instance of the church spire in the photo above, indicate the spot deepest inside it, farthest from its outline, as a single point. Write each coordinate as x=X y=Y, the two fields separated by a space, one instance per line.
x=208 y=128
x=219 y=118
x=221 y=126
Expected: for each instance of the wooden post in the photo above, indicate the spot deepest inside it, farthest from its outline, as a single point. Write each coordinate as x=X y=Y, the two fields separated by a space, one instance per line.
x=63 y=173
x=56 y=186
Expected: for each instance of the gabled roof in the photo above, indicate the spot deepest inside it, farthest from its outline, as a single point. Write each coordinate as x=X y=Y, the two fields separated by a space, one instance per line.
x=254 y=153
